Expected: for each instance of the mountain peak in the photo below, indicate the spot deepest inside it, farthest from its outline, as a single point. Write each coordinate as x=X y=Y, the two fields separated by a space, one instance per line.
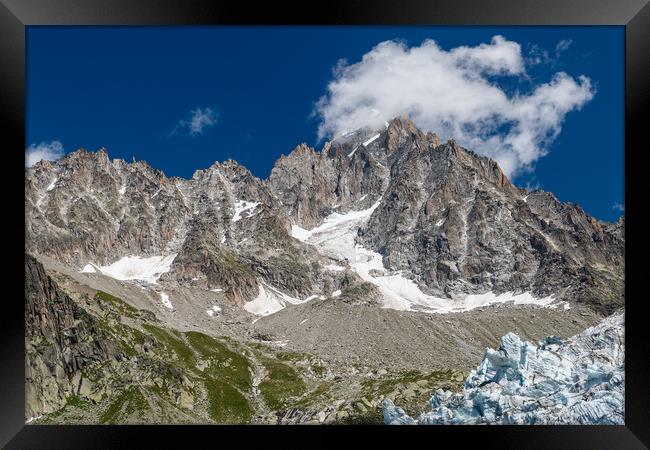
x=403 y=122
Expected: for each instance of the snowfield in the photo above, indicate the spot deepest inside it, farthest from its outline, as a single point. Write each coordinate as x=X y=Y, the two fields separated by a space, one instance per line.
x=147 y=269
x=271 y=300
x=580 y=381
x=335 y=238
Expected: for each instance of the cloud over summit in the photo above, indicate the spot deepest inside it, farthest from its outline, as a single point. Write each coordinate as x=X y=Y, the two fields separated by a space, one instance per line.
x=49 y=151
x=455 y=93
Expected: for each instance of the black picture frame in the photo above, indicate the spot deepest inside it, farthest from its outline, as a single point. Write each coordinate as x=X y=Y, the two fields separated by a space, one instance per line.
x=15 y=15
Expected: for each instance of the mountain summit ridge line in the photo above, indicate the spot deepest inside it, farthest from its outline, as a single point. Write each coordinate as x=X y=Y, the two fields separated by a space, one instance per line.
x=447 y=218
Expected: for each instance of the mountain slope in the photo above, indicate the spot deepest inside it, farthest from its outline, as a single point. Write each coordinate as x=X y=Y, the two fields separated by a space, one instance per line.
x=442 y=222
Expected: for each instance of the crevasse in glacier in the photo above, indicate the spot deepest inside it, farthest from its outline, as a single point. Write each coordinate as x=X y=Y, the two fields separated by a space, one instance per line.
x=577 y=381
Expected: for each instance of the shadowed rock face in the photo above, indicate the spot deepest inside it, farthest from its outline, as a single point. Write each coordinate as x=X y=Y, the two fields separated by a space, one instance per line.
x=447 y=216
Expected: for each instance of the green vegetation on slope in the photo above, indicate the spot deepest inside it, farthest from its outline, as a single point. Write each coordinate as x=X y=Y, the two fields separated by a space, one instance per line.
x=161 y=364
x=175 y=346
x=227 y=404
x=126 y=404
x=223 y=363
x=116 y=303
x=281 y=382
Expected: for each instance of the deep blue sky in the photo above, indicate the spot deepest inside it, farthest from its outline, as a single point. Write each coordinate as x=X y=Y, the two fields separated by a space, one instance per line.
x=126 y=89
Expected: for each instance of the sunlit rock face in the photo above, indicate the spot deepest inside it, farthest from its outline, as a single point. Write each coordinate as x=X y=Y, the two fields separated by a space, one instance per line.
x=578 y=381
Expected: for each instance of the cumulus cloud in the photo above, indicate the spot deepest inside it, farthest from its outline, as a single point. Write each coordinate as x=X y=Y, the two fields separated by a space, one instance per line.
x=197 y=121
x=618 y=207
x=455 y=93
x=49 y=151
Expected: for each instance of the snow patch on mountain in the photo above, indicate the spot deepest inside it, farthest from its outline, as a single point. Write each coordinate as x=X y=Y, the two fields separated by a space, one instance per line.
x=52 y=184
x=577 y=381
x=335 y=236
x=271 y=300
x=164 y=298
x=147 y=269
x=242 y=206
x=89 y=268
x=371 y=140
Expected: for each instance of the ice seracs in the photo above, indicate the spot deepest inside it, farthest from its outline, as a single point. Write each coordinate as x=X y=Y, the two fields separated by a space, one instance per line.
x=580 y=381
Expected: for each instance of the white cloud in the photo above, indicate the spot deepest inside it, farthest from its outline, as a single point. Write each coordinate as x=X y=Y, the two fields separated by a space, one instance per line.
x=618 y=207
x=197 y=122
x=563 y=45
x=454 y=93
x=50 y=151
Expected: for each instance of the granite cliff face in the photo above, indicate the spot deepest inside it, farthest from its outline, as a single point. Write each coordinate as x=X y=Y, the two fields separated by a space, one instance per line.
x=444 y=218
x=452 y=219
x=61 y=340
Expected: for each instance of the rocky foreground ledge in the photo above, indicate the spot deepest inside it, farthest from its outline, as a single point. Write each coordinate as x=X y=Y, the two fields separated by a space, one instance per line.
x=577 y=381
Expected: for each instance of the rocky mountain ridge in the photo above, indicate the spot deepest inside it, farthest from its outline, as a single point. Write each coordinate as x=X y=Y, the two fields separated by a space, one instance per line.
x=445 y=218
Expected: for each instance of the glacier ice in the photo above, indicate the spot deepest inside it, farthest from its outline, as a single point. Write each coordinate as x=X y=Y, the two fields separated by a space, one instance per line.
x=271 y=300
x=147 y=269
x=335 y=238
x=579 y=381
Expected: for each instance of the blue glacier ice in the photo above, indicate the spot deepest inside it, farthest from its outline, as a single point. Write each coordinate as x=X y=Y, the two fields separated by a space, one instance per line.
x=575 y=381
